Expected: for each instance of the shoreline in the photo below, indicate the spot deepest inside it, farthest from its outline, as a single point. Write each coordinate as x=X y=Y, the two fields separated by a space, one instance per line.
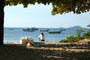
x=53 y=45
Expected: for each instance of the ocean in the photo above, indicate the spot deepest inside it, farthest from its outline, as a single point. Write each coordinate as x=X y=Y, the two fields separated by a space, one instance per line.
x=14 y=34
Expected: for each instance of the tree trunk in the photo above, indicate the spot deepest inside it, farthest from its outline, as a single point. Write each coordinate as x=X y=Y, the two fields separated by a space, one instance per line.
x=1 y=21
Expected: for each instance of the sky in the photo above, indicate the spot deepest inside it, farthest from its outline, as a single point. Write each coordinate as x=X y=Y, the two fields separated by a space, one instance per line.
x=40 y=16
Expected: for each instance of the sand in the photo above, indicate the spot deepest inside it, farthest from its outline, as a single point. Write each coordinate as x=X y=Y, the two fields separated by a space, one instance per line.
x=19 y=52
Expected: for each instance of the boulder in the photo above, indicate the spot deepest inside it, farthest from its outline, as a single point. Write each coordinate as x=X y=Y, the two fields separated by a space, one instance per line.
x=26 y=39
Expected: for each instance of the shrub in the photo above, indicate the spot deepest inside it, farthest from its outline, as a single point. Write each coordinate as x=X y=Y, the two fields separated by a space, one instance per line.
x=70 y=39
x=86 y=35
x=77 y=37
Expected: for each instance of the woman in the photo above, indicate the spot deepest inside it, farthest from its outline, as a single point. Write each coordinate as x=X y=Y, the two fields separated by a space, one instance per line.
x=42 y=37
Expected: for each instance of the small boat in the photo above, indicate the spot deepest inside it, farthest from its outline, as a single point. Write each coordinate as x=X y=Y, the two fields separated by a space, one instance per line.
x=28 y=30
x=10 y=28
x=44 y=30
x=34 y=28
x=54 y=32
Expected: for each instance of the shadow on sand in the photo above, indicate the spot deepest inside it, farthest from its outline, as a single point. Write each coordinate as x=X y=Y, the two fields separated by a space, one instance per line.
x=14 y=52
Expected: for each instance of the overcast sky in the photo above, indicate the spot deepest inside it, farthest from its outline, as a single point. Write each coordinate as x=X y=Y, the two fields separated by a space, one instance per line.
x=40 y=16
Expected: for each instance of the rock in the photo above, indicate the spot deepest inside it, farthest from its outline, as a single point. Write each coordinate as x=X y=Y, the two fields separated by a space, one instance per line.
x=26 y=40
x=29 y=45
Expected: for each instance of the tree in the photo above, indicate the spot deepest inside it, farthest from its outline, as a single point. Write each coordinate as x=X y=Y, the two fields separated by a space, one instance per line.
x=66 y=6
x=59 y=7
x=87 y=35
x=88 y=25
x=1 y=21
x=78 y=33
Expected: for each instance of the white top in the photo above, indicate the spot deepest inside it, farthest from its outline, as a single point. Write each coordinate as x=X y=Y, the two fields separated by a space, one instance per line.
x=41 y=37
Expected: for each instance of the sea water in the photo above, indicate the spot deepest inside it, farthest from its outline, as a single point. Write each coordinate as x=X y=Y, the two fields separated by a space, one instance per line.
x=14 y=35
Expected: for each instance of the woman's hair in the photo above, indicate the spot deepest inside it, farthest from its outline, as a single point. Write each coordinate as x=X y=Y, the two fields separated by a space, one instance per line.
x=42 y=33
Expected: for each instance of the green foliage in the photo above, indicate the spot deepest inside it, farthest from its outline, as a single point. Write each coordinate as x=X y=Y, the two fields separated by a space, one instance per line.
x=74 y=38
x=64 y=40
x=78 y=33
x=75 y=6
x=58 y=6
x=70 y=39
x=78 y=37
x=86 y=35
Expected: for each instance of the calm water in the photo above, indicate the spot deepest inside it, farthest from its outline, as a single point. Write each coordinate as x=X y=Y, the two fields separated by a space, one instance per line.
x=14 y=35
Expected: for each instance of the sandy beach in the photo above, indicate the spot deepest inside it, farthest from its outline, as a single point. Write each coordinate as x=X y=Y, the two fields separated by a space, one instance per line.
x=18 y=52
x=49 y=51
